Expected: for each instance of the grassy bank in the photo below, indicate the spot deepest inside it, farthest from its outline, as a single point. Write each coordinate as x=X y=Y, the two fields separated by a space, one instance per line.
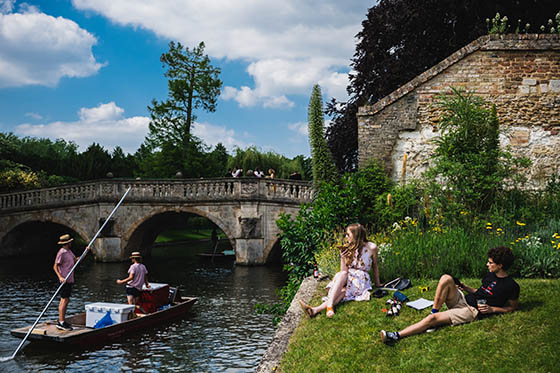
x=525 y=340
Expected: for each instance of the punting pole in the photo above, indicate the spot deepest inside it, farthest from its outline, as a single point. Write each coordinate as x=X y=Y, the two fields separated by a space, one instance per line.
x=68 y=275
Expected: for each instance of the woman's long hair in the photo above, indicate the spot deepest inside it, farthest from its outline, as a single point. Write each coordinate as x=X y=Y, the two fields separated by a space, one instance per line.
x=358 y=242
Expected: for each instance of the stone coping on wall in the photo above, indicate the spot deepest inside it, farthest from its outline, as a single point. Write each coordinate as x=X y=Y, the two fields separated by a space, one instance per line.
x=289 y=323
x=486 y=42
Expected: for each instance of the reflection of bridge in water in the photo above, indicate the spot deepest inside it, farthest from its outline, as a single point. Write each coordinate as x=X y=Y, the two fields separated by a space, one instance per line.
x=245 y=209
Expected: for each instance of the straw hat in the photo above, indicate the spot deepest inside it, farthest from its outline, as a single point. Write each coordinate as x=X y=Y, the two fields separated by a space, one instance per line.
x=136 y=254
x=64 y=239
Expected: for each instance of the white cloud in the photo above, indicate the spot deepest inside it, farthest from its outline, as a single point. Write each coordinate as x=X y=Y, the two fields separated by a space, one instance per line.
x=6 y=6
x=104 y=124
x=212 y=134
x=34 y=116
x=289 y=45
x=38 y=49
x=301 y=128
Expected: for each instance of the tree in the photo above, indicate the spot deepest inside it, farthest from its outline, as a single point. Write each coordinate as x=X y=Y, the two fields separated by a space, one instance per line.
x=323 y=166
x=401 y=39
x=193 y=83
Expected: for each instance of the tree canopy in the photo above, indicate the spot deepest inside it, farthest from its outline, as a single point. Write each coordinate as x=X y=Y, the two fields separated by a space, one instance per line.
x=401 y=39
x=193 y=83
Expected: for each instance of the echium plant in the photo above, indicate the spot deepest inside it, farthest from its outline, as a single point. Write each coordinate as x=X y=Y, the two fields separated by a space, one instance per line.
x=497 y=25
x=553 y=26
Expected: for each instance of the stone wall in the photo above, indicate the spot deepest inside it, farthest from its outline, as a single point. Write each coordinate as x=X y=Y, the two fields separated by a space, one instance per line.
x=520 y=74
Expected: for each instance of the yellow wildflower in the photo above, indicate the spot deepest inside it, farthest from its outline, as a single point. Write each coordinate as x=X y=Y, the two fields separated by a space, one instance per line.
x=520 y=223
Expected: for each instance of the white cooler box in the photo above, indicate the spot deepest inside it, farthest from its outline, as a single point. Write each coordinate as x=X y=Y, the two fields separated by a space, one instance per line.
x=119 y=312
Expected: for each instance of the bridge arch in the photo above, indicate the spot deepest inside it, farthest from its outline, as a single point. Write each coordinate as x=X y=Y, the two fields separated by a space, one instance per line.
x=141 y=235
x=36 y=237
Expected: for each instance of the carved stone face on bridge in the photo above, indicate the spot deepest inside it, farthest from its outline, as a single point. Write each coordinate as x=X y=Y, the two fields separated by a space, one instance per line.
x=250 y=227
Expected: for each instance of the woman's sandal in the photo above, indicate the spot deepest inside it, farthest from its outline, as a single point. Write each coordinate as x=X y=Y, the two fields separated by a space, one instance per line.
x=330 y=312
x=308 y=310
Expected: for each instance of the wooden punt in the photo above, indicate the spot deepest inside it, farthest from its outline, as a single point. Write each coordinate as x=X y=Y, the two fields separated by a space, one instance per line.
x=82 y=336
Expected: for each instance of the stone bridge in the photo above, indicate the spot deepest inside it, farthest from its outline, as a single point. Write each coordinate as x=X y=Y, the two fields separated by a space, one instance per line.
x=245 y=209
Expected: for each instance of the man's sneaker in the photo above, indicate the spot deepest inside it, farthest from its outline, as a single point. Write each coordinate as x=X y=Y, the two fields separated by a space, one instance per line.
x=63 y=326
x=389 y=337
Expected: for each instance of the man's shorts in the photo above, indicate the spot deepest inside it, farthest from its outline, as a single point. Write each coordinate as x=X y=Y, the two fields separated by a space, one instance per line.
x=459 y=311
x=66 y=290
x=133 y=291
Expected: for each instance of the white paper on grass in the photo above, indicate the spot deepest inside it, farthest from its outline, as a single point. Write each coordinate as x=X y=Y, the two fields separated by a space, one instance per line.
x=420 y=303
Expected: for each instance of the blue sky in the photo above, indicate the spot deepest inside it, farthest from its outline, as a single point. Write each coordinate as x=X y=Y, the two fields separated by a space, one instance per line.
x=85 y=70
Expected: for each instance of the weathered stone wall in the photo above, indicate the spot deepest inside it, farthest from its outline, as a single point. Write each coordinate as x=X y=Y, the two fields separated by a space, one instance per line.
x=520 y=74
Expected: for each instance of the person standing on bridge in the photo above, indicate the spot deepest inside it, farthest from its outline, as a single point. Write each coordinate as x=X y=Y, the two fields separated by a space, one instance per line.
x=63 y=264
x=137 y=276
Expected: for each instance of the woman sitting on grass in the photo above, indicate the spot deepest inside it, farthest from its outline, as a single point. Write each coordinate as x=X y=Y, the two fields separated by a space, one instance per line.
x=353 y=282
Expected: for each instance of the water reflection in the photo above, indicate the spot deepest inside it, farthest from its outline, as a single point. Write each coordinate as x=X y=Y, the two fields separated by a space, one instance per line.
x=221 y=333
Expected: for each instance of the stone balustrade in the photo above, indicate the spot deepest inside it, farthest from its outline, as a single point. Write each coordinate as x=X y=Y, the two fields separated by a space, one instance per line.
x=186 y=190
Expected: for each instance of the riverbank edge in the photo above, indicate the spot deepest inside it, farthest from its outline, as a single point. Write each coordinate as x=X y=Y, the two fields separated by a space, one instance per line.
x=289 y=323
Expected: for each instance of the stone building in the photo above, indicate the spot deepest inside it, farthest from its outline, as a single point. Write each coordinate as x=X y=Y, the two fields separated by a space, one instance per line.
x=519 y=73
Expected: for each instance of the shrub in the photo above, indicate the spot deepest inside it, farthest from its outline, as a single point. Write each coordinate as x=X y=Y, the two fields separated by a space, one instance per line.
x=469 y=166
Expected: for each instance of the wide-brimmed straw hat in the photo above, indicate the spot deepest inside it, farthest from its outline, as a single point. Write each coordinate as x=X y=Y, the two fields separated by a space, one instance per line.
x=136 y=254
x=64 y=239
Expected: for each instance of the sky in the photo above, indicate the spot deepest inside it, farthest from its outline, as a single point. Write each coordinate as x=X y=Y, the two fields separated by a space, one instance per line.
x=86 y=70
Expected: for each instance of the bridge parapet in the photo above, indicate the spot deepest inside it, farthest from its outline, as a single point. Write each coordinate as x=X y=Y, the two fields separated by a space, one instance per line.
x=185 y=190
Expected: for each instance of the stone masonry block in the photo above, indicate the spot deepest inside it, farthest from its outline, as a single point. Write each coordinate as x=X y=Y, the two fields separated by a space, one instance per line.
x=528 y=81
x=554 y=86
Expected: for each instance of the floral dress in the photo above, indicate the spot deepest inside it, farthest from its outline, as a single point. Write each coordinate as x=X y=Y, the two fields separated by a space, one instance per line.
x=358 y=283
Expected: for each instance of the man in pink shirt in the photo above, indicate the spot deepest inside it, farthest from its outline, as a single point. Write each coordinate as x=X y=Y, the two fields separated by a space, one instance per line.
x=137 y=276
x=63 y=264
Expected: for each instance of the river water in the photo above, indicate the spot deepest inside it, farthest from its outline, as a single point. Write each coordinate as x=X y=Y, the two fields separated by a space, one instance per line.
x=221 y=333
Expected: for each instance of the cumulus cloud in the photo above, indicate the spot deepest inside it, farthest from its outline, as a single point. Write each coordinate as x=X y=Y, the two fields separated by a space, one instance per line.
x=301 y=128
x=6 y=6
x=107 y=125
x=34 y=116
x=289 y=45
x=38 y=49
x=213 y=134
x=104 y=124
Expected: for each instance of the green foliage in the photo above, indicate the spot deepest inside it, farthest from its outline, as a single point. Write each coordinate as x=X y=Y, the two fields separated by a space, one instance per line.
x=469 y=166
x=538 y=254
x=328 y=257
x=18 y=179
x=439 y=250
x=252 y=158
x=497 y=25
x=323 y=166
x=193 y=83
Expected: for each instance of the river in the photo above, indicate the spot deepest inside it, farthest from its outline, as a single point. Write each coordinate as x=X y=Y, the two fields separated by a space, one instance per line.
x=222 y=333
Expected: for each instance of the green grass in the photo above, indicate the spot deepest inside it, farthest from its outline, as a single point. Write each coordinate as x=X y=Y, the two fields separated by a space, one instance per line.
x=523 y=341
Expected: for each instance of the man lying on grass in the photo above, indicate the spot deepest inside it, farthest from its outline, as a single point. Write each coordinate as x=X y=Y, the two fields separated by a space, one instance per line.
x=498 y=293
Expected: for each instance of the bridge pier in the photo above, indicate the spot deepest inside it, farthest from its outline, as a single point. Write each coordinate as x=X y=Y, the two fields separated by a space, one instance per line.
x=108 y=249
